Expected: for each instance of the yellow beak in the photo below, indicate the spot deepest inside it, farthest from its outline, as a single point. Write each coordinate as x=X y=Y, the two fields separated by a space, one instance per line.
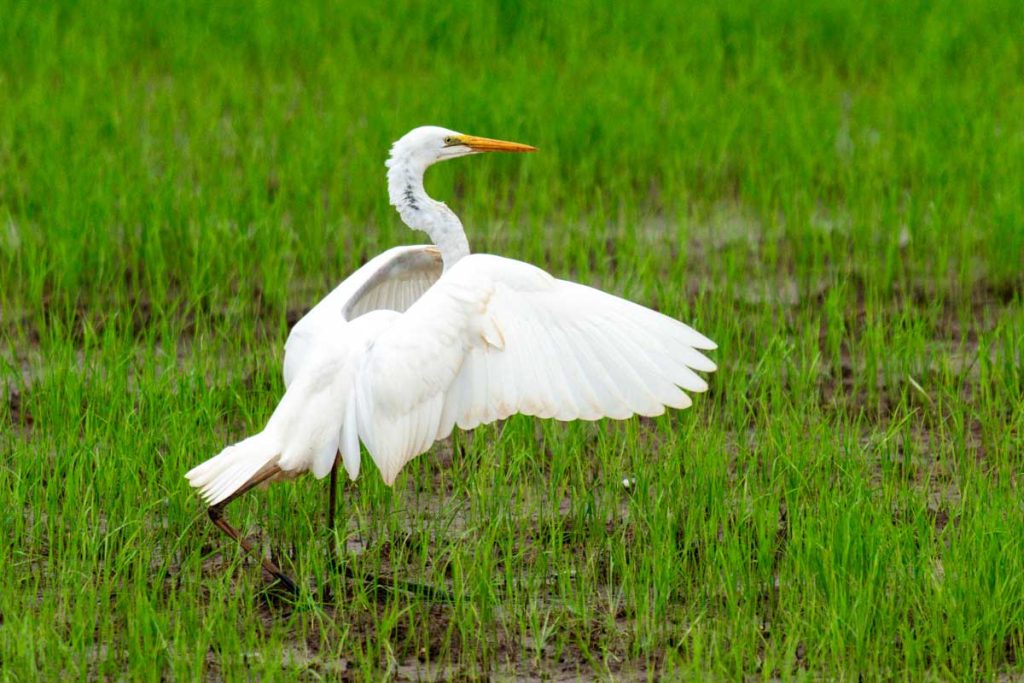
x=488 y=145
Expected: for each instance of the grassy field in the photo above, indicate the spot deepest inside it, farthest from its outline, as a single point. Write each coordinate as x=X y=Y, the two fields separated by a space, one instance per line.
x=835 y=194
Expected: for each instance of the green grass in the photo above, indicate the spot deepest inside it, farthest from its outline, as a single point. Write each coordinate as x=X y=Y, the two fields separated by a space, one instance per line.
x=832 y=193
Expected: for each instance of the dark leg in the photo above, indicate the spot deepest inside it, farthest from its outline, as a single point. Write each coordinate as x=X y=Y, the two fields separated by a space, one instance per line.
x=332 y=506
x=326 y=594
x=381 y=584
x=216 y=513
x=332 y=499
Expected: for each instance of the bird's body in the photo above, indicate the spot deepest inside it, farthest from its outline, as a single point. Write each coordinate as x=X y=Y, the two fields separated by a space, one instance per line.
x=424 y=338
x=492 y=337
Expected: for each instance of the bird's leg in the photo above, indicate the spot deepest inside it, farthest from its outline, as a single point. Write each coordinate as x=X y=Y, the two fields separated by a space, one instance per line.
x=332 y=506
x=333 y=495
x=333 y=552
x=382 y=584
x=216 y=513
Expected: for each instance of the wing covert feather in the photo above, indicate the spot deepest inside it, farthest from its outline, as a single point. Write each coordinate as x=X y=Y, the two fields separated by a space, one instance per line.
x=495 y=337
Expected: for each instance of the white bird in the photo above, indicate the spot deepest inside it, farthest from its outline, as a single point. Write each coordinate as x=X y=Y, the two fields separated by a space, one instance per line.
x=424 y=338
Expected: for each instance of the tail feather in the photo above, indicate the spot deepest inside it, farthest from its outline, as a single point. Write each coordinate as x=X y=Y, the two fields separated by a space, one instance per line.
x=234 y=467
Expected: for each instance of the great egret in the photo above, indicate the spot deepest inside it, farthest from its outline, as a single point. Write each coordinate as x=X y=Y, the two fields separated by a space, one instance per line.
x=424 y=338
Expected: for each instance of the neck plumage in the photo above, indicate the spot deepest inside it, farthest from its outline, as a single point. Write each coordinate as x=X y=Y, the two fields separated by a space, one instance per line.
x=420 y=212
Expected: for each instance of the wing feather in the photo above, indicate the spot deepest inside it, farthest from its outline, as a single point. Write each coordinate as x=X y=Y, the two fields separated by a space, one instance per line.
x=495 y=337
x=392 y=280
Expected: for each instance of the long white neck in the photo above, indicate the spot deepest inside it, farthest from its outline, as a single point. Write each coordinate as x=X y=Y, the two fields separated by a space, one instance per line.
x=420 y=212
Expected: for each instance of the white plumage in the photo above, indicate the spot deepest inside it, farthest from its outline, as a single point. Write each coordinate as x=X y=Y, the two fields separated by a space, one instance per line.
x=390 y=281
x=314 y=420
x=424 y=338
x=496 y=337
x=491 y=338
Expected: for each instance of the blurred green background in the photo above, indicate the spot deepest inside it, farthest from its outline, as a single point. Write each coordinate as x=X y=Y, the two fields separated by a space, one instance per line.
x=203 y=149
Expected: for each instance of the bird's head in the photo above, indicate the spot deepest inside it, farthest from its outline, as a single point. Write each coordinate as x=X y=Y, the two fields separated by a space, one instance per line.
x=426 y=145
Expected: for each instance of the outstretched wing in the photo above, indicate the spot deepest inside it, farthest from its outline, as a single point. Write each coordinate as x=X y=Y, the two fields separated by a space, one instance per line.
x=391 y=281
x=397 y=281
x=495 y=337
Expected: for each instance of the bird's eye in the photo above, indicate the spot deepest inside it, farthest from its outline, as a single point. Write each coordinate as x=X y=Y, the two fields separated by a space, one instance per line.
x=451 y=140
